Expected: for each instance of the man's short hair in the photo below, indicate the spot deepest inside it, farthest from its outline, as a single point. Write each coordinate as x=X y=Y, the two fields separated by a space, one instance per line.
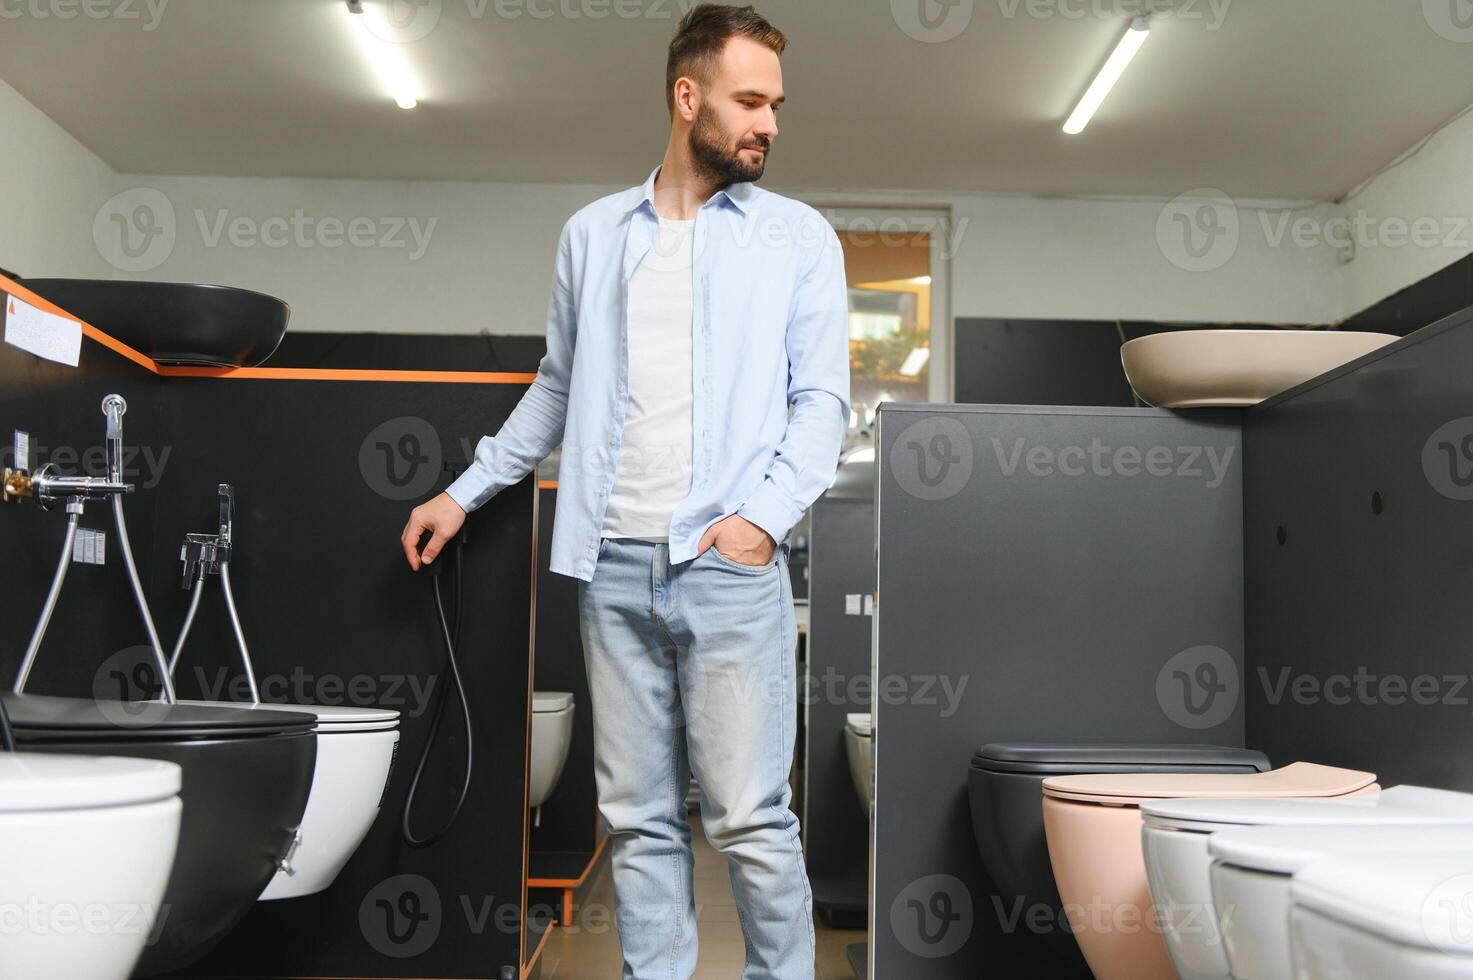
x=702 y=36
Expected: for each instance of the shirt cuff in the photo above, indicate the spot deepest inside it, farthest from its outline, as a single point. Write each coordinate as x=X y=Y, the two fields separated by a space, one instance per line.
x=470 y=490
x=768 y=510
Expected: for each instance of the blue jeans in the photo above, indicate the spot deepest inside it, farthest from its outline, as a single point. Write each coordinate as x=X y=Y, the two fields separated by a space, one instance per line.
x=691 y=669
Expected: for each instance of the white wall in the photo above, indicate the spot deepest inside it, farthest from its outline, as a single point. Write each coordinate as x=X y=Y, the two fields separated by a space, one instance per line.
x=448 y=257
x=1411 y=221
x=1018 y=256
x=482 y=258
x=50 y=189
x=429 y=257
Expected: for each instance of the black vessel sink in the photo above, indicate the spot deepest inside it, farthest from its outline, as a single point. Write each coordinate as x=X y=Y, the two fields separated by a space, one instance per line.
x=247 y=774
x=175 y=322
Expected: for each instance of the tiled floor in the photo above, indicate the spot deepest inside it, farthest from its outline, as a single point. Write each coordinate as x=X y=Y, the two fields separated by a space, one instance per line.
x=590 y=949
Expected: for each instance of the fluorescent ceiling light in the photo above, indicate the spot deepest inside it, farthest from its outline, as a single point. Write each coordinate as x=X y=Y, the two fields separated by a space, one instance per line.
x=370 y=27
x=1135 y=36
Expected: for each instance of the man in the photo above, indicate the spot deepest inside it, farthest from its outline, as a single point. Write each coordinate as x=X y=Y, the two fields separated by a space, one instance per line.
x=688 y=317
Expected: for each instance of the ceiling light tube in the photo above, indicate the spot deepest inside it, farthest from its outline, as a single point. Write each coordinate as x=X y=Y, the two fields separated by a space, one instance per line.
x=370 y=27
x=1094 y=96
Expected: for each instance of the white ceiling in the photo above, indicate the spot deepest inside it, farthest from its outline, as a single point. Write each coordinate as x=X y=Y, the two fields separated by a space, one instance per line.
x=1280 y=99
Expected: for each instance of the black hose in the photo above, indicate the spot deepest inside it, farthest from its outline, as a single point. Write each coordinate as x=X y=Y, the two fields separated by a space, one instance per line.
x=452 y=641
x=7 y=740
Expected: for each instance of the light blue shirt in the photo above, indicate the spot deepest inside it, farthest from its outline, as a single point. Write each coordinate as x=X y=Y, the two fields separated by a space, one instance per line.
x=770 y=332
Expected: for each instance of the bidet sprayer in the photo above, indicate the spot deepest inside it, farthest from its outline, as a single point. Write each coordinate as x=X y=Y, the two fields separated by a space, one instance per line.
x=113 y=408
x=209 y=554
x=48 y=489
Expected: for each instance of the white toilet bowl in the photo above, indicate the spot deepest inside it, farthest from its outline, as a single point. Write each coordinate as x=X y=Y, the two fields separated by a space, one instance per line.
x=858 y=745
x=355 y=756
x=1252 y=868
x=1176 y=837
x=355 y=753
x=87 y=844
x=552 y=735
x=1382 y=916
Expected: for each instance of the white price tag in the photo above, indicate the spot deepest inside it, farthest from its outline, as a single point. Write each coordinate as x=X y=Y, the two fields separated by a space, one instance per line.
x=89 y=547
x=47 y=335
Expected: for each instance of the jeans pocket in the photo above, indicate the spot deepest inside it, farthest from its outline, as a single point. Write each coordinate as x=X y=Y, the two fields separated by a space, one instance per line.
x=750 y=569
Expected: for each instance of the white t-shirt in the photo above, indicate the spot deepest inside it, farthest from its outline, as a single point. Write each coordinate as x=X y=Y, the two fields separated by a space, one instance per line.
x=654 y=467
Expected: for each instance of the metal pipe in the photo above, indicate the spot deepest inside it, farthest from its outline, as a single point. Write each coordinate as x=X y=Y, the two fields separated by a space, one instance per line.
x=245 y=654
x=113 y=407
x=51 y=488
x=74 y=514
x=153 y=634
x=199 y=590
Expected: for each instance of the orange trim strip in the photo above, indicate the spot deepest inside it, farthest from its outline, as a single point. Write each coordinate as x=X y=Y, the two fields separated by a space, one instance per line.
x=571 y=882
x=537 y=953
x=347 y=374
x=8 y=285
x=546 y=484
x=117 y=346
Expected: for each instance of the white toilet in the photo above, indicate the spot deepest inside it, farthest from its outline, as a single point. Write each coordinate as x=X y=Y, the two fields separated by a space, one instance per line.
x=1252 y=869
x=355 y=756
x=355 y=753
x=1175 y=841
x=859 y=746
x=1384 y=915
x=87 y=844
x=552 y=736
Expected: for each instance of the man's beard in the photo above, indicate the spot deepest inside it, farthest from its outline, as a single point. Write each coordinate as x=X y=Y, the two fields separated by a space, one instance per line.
x=711 y=157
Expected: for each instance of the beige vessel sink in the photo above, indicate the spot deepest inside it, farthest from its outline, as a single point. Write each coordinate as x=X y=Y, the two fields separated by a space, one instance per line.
x=1234 y=368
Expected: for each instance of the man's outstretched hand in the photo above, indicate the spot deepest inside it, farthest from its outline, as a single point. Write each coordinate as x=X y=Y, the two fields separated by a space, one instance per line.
x=442 y=518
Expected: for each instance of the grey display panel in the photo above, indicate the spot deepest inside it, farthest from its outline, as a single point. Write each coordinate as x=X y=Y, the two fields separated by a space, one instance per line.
x=836 y=834
x=1359 y=550
x=1044 y=574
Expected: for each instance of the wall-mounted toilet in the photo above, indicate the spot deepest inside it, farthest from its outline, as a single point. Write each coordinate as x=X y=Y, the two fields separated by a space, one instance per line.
x=1176 y=840
x=87 y=844
x=1005 y=790
x=1385 y=915
x=1252 y=869
x=859 y=747
x=355 y=756
x=1093 y=824
x=552 y=735
x=246 y=777
x=355 y=752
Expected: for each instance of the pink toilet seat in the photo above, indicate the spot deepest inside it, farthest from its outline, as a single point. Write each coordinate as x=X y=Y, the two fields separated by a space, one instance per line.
x=1093 y=824
x=1297 y=780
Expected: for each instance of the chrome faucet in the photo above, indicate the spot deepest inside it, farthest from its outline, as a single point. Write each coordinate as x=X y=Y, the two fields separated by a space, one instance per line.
x=48 y=489
x=210 y=554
